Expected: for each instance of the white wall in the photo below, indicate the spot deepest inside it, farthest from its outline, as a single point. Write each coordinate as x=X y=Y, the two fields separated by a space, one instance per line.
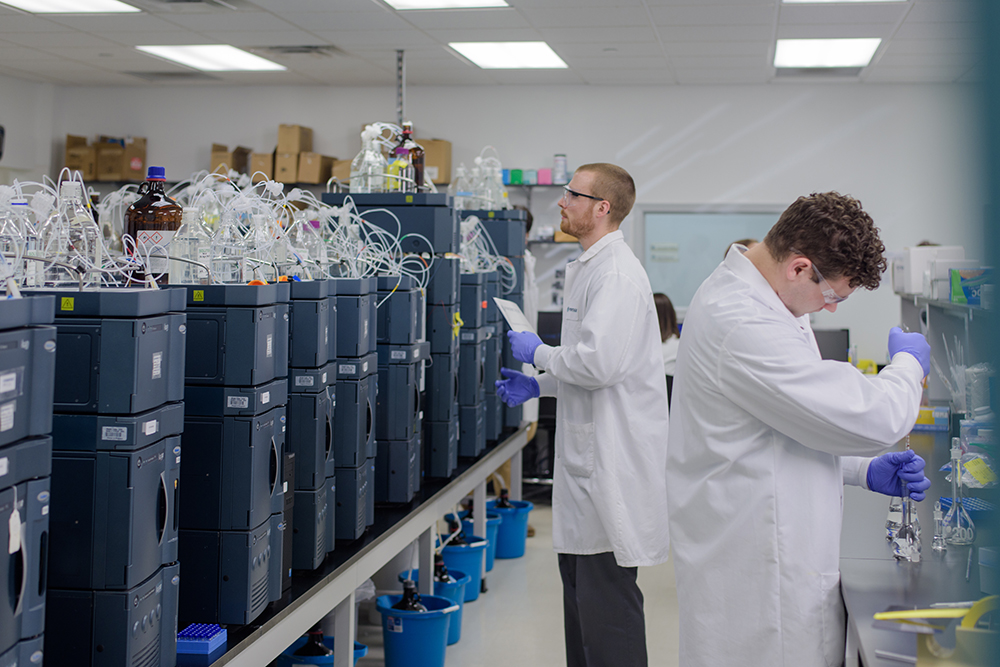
x=26 y=111
x=906 y=151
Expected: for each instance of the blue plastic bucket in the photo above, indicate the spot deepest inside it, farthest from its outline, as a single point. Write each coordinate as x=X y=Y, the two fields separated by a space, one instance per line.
x=286 y=659
x=415 y=638
x=467 y=558
x=513 y=529
x=493 y=522
x=454 y=591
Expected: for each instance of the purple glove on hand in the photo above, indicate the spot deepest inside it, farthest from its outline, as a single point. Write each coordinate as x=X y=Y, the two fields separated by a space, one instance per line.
x=523 y=345
x=517 y=389
x=887 y=472
x=912 y=343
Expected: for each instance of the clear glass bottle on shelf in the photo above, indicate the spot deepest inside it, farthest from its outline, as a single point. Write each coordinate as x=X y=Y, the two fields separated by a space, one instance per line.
x=86 y=242
x=192 y=242
x=227 y=250
x=939 y=543
x=369 y=166
x=958 y=527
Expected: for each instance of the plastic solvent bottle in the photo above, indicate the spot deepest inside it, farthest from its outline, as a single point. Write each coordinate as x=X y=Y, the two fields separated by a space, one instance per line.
x=85 y=238
x=152 y=221
x=227 y=250
x=369 y=166
x=191 y=241
x=411 y=599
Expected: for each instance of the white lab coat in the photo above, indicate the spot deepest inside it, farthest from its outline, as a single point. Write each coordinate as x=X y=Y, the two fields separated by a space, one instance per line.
x=668 y=351
x=529 y=409
x=760 y=444
x=611 y=412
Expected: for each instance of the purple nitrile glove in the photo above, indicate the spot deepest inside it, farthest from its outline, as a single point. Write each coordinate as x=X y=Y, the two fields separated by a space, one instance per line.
x=913 y=343
x=517 y=388
x=887 y=472
x=523 y=345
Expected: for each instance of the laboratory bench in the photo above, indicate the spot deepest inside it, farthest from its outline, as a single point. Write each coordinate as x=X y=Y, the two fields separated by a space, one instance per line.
x=331 y=587
x=872 y=580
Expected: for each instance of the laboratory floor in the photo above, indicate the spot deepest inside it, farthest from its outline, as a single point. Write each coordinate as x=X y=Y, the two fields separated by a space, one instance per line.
x=519 y=620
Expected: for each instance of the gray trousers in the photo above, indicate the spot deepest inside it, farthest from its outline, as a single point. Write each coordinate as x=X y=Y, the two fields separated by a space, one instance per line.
x=602 y=612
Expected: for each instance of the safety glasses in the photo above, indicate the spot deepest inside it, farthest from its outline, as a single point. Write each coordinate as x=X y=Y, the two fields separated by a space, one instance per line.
x=829 y=295
x=572 y=196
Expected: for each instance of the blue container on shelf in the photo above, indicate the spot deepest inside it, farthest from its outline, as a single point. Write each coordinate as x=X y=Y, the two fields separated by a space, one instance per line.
x=454 y=591
x=493 y=521
x=513 y=532
x=287 y=659
x=467 y=558
x=415 y=638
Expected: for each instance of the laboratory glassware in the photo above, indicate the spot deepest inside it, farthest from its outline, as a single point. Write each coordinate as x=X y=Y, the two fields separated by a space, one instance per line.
x=151 y=221
x=958 y=527
x=191 y=242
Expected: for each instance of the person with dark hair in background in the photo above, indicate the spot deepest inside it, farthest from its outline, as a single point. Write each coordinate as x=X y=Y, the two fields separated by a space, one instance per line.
x=609 y=499
x=765 y=433
x=747 y=243
x=669 y=336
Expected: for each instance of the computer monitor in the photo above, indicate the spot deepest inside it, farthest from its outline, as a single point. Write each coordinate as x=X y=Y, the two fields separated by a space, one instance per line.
x=550 y=326
x=833 y=343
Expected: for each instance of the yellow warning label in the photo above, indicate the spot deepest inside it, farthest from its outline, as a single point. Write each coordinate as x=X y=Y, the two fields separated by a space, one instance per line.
x=67 y=303
x=198 y=295
x=409 y=199
x=978 y=469
x=491 y=214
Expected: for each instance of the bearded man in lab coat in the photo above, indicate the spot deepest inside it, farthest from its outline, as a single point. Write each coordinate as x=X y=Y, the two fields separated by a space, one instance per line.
x=765 y=434
x=609 y=500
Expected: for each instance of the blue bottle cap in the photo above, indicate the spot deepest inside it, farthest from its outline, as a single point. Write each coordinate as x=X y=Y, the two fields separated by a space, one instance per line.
x=156 y=174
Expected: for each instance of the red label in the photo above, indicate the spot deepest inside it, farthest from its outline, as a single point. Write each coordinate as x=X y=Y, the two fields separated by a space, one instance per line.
x=135 y=164
x=484 y=305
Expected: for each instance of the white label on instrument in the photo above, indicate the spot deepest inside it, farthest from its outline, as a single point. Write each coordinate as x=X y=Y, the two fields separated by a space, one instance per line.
x=157 y=365
x=7 y=416
x=468 y=336
x=14 y=529
x=270 y=345
x=364 y=367
x=398 y=354
x=4 y=466
x=151 y=427
x=8 y=382
x=45 y=510
x=284 y=487
x=323 y=378
x=265 y=398
x=239 y=402
x=348 y=369
x=114 y=433
x=304 y=381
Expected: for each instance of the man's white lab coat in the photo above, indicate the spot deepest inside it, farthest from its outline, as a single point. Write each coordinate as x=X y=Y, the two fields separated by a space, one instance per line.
x=764 y=435
x=609 y=490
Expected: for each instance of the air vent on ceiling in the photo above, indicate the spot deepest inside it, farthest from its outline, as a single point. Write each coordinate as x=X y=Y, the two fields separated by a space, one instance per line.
x=167 y=77
x=824 y=72
x=319 y=50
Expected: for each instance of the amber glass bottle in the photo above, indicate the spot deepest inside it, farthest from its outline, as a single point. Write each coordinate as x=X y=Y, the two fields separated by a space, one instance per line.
x=151 y=222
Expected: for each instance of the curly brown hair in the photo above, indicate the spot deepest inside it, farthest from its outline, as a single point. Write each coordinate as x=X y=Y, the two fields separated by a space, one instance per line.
x=834 y=232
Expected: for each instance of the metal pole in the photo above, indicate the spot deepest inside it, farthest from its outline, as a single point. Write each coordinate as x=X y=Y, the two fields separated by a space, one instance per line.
x=400 y=87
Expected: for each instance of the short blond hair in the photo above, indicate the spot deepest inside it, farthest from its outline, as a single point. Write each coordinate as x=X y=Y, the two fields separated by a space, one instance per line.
x=614 y=185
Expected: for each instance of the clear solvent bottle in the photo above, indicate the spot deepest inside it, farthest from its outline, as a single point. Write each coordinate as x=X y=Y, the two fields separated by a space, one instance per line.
x=191 y=241
x=86 y=241
x=369 y=166
x=227 y=250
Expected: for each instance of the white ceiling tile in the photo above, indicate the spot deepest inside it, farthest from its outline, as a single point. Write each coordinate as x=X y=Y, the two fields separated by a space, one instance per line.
x=702 y=3
x=571 y=4
x=937 y=30
x=976 y=74
x=617 y=63
x=591 y=49
x=485 y=35
x=715 y=33
x=399 y=39
x=171 y=37
x=9 y=54
x=268 y=38
x=228 y=21
x=113 y=22
x=338 y=20
x=629 y=77
x=962 y=61
x=727 y=48
x=452 y=19
x=913 y=75
x=701 y=75
x=533 y=77
x=834 y=31
x=283 y=6
x=717 y=62
x=596 y=34
x=842 y=13
x=43 y=39
x=24 y=23
x=932 y=46
x=949 y=12
x=749 y=14
x=585 y=17
x=103 y=78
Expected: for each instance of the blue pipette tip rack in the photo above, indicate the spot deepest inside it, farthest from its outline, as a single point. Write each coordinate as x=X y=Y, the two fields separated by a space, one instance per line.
x=200 y=638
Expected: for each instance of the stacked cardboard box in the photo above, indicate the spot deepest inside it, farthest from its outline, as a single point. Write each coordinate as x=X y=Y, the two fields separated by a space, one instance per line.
x=225 y=159
x=110 y=159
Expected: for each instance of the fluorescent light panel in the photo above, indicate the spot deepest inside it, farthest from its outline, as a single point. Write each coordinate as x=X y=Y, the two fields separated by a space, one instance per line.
x=510 y=55
x=72 y=6
x=825 y=52
x=444 y=4
x=213 y=58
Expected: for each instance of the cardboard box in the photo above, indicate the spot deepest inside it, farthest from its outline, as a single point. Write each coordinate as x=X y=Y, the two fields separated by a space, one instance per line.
x=286 y=167
x=109 y=159
x=342 y=171
x=134 y=159
x=314 y=168
x=235 y=159
x=261 y=167
x=81 y=157
x=294 y=139
x=437 y=160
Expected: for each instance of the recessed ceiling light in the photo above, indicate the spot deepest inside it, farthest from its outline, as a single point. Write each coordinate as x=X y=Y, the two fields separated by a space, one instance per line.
x=444 y=4
x=71 y=6
x=825 y=52
x=213 y=58
x=510 y=55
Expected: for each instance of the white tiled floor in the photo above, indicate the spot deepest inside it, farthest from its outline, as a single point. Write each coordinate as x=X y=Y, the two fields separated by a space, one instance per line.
x=518 y=622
